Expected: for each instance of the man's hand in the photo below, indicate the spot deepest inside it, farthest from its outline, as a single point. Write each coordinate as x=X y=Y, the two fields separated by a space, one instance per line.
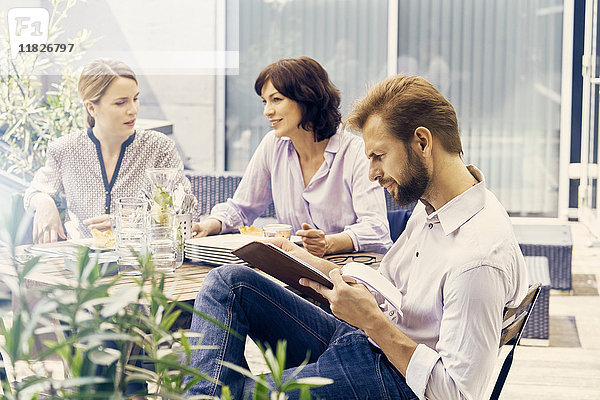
x=352 y=303
x=210 y=226
x=101 y=222
x=313 y=240
x=47 y=225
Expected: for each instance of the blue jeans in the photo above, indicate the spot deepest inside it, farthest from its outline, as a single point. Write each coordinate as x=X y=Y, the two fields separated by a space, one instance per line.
x=251 y=304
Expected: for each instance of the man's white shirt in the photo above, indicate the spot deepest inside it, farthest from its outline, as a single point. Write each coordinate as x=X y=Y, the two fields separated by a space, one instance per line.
x=457 y=268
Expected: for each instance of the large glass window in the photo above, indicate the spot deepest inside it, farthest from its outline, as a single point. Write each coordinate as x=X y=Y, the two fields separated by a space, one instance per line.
x=348 y=37
x=499 y=64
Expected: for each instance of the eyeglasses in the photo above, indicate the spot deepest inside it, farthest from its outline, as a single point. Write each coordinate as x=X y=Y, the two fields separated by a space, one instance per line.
x=342 y=260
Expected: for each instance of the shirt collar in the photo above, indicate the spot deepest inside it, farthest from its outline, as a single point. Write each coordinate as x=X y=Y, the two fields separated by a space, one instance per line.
x=463 y=207
x=333 y=145
x=95 y=140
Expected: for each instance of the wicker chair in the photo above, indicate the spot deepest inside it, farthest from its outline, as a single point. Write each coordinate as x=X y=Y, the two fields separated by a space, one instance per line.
x=214 y=188
x=552 y=241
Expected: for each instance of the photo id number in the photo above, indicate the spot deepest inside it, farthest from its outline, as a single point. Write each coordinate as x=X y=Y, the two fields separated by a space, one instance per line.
x=46 y=48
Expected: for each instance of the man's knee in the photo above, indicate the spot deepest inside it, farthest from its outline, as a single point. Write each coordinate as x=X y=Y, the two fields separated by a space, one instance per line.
x=224 y=278
x=229 y=274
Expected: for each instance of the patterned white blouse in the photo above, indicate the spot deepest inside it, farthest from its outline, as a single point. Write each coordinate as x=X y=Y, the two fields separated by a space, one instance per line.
x=74 y=166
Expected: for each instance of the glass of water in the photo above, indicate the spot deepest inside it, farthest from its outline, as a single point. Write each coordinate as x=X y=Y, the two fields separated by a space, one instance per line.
x=162 y=238
x=130 y=227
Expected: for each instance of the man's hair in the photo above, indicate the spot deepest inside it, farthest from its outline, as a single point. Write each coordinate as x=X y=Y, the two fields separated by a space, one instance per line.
x=95 y=79
x=406 y=103
x=306 y=82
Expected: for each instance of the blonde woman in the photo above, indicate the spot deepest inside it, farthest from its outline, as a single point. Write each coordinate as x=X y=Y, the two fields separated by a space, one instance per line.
x=96 y=166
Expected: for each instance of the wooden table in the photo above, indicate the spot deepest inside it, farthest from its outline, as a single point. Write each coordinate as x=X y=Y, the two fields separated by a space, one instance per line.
x=183 y=284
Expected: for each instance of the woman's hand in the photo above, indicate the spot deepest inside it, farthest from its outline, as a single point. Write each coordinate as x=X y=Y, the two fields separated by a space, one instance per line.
x=313 y=240
x=47 y=225
x=210 y=226
x=101 y=222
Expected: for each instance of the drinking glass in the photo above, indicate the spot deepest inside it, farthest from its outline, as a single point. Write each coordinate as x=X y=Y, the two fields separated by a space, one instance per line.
x=130 y=238
x=162 y=238
x=163 y=179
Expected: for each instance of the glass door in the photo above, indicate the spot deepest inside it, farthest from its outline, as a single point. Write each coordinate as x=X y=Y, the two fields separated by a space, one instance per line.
x=588 y=189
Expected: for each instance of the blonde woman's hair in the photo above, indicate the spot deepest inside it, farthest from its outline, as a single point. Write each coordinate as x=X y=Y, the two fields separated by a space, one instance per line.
x=96 y=77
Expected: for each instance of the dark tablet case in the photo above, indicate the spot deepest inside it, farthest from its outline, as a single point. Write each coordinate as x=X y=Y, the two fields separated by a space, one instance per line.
x=283 y=266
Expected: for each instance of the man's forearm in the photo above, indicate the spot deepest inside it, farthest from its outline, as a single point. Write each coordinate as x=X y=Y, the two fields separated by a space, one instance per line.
x=397 y=347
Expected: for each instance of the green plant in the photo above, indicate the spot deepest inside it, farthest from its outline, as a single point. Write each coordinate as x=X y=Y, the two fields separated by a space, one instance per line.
x=106 y=335
x=30 y=116
x=96 y=328
x=276 y=363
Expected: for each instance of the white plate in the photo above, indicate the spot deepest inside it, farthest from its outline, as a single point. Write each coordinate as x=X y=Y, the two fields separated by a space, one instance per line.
x=213 y=260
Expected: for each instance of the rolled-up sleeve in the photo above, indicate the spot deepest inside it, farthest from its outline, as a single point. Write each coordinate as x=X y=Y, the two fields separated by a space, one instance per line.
x=47 y=179
x=461 y=365
x=371 y=230
x=252 y=195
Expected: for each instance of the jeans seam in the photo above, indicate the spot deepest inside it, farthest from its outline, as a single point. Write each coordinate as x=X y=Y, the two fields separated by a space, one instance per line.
x=380 y=377
x=283 y=310
x=221 y=355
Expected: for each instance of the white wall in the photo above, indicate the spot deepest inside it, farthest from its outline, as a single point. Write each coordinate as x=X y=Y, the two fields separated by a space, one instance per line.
x=185 y=100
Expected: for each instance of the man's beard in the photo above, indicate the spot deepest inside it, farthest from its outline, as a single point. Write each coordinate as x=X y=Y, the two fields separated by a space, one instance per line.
x=418 y=179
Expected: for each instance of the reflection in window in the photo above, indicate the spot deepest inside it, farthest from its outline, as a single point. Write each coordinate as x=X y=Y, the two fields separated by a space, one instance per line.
x=347 y=37
x=499 y=64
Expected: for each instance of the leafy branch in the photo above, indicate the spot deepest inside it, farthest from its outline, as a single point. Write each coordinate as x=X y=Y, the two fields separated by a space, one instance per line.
x=33 y=110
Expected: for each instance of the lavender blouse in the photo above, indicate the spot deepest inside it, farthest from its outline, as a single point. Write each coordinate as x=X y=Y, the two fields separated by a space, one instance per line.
x=339 y=198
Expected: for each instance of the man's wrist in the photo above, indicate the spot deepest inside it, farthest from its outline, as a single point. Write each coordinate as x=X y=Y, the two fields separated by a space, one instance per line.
x=338 y=243
x=375 y=325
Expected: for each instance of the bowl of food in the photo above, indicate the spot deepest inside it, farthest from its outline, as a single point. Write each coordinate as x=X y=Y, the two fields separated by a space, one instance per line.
x=278 y=230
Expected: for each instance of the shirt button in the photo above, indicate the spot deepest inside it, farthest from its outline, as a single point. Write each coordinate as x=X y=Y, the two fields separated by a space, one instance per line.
x=391 y=313
x=430 y=226
x=417 y=255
